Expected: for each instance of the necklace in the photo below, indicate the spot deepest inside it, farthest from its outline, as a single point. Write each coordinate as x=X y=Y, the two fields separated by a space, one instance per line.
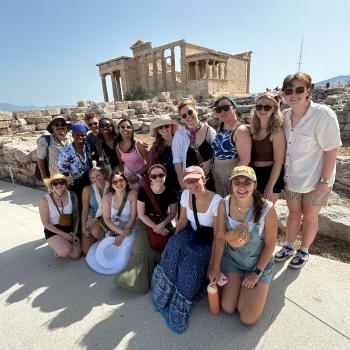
x=242 y=210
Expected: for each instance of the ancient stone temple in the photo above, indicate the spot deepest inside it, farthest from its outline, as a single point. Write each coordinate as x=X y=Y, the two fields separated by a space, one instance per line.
x=178 y=67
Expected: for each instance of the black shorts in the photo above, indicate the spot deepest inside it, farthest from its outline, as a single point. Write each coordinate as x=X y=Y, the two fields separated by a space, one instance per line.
x=263 y=176
x=49 y=234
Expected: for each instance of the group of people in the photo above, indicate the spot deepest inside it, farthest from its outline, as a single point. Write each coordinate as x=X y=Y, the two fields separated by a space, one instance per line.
x=196 y=205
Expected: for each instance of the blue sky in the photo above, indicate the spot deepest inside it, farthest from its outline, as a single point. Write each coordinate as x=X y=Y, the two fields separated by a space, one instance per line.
x=49 y=49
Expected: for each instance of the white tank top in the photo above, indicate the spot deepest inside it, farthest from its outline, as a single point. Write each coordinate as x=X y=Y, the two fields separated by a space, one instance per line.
x=54 y=215
x=124 y=216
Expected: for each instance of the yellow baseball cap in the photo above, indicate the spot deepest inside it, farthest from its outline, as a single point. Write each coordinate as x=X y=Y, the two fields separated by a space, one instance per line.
x=243 y=170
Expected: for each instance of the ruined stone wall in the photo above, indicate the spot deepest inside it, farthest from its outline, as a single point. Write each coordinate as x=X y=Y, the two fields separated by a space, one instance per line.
x=236 y=74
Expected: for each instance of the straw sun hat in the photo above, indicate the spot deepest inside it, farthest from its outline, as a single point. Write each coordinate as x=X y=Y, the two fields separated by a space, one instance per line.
x=57 y=176
x=161 y=120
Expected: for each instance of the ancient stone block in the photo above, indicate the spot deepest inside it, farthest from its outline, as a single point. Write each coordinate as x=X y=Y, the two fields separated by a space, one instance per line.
x=39 y=119
x=53 y=111
x=121 y=106
x=4 y=124
x=347 y=106
x=116 y=115
x=41 y=126
x=136 y=124
x=331 y=100
x=140 y=107
x=28 y=114
x=26 y=128
x=130 y=112
x=85 y=103
x=6 y=116
x=19 y=122
x=76 y=116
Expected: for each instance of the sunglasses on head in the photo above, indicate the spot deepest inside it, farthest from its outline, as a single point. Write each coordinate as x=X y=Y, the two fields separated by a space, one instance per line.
x=128 y=127
x=154 y=176
x=167 y=126
x=224 y=108
x=189 y=112
x=104 y=126
x=93 y=124
x=260 y=107
x=58 y=182
x=299 y=90
x=118 y=181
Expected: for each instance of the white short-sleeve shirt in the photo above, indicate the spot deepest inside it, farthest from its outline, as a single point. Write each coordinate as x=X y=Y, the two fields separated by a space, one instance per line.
x=205 y=219
x=316 y=132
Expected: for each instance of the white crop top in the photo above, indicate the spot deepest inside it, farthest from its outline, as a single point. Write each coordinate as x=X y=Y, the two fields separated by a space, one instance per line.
x=205 y=219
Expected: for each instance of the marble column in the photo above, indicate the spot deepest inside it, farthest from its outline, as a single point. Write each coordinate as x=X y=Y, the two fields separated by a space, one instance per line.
x=219 y=71
x=213 y=68
x=155 y=73
x=146 y=72
x=104 y=88
x=248 y=76
x=206 y=69
x=119 y=89
x=225 y=71
x=114 y=87
x=173 y=72
x=164 y=69
x=197 y=71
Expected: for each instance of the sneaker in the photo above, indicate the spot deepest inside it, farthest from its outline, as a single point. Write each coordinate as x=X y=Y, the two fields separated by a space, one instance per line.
x=299 y=260
x=284 y=253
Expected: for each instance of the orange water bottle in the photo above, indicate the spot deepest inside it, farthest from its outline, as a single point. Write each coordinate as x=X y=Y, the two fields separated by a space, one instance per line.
x=213 y=299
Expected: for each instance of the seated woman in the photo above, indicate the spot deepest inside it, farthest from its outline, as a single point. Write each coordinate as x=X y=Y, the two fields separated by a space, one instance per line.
x=60 y=217
x=178 y=279
x=119 y=214
x=92 y=208
x=131 y=153
x=192 y=143
x=232 y=143
x=138 y=273
x=268 y=146
x=245 y=240
x=163 y=129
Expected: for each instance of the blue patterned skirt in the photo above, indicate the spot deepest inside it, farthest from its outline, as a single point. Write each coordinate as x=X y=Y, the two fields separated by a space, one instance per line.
x=178 y=279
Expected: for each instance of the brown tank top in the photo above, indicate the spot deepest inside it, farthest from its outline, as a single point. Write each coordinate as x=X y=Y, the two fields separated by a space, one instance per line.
x=262 y=150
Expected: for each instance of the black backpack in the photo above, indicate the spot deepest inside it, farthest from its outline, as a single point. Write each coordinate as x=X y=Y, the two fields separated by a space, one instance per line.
x=37 y=173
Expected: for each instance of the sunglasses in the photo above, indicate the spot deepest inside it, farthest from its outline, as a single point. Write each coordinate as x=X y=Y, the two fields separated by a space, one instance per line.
x=263 y=107
x=154 y=176
x=58 y=182
x=299 y=90
x=224 y=108
x=191 y=181
x=93 y=124
x=242 y=183
x=167 y=126
x=127 y=127
x=59 y=125
x=189 y=112
x=104 y=126
x=118 y=182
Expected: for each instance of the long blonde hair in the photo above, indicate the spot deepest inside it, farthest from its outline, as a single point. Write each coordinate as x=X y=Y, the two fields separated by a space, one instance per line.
x=276 y=120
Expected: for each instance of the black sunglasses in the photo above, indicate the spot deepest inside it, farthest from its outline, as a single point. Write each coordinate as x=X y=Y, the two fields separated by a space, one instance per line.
x=224 y=108
x=58 y=182
x=299 y=90
x=265 y=107
x=154 y=176
x=189 y=112
x=93 y=124
x=167 y=126
x=103 y=126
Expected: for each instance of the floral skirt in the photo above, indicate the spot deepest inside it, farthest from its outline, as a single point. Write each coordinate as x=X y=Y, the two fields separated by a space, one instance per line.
x=178 y=279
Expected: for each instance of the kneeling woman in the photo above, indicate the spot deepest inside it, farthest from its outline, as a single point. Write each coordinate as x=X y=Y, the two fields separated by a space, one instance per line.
x=119 y=214
x=60 y=217
x=137 y=275
x=178 y=279
x=246 y=236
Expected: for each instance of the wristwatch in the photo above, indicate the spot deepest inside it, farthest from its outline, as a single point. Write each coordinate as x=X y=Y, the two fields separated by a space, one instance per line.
x=257 y=271
x=323 y=180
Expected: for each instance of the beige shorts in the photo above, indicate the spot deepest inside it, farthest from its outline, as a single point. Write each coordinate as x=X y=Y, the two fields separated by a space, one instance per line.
x=313 y=198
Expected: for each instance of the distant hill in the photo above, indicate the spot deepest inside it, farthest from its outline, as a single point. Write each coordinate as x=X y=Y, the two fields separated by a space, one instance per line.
x=13 y=108
x=342 y=79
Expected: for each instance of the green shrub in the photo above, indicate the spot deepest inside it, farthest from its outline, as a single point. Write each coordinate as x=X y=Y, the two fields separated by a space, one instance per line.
x=135 y=92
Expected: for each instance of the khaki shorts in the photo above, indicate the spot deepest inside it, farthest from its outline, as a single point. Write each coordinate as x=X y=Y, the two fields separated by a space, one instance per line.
x=313 y=198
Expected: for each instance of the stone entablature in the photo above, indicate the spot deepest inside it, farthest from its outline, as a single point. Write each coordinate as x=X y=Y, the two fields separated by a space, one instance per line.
x=174 y=67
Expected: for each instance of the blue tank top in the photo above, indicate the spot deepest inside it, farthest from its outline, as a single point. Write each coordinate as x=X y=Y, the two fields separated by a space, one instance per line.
x=222 y=145
x=93 y=205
